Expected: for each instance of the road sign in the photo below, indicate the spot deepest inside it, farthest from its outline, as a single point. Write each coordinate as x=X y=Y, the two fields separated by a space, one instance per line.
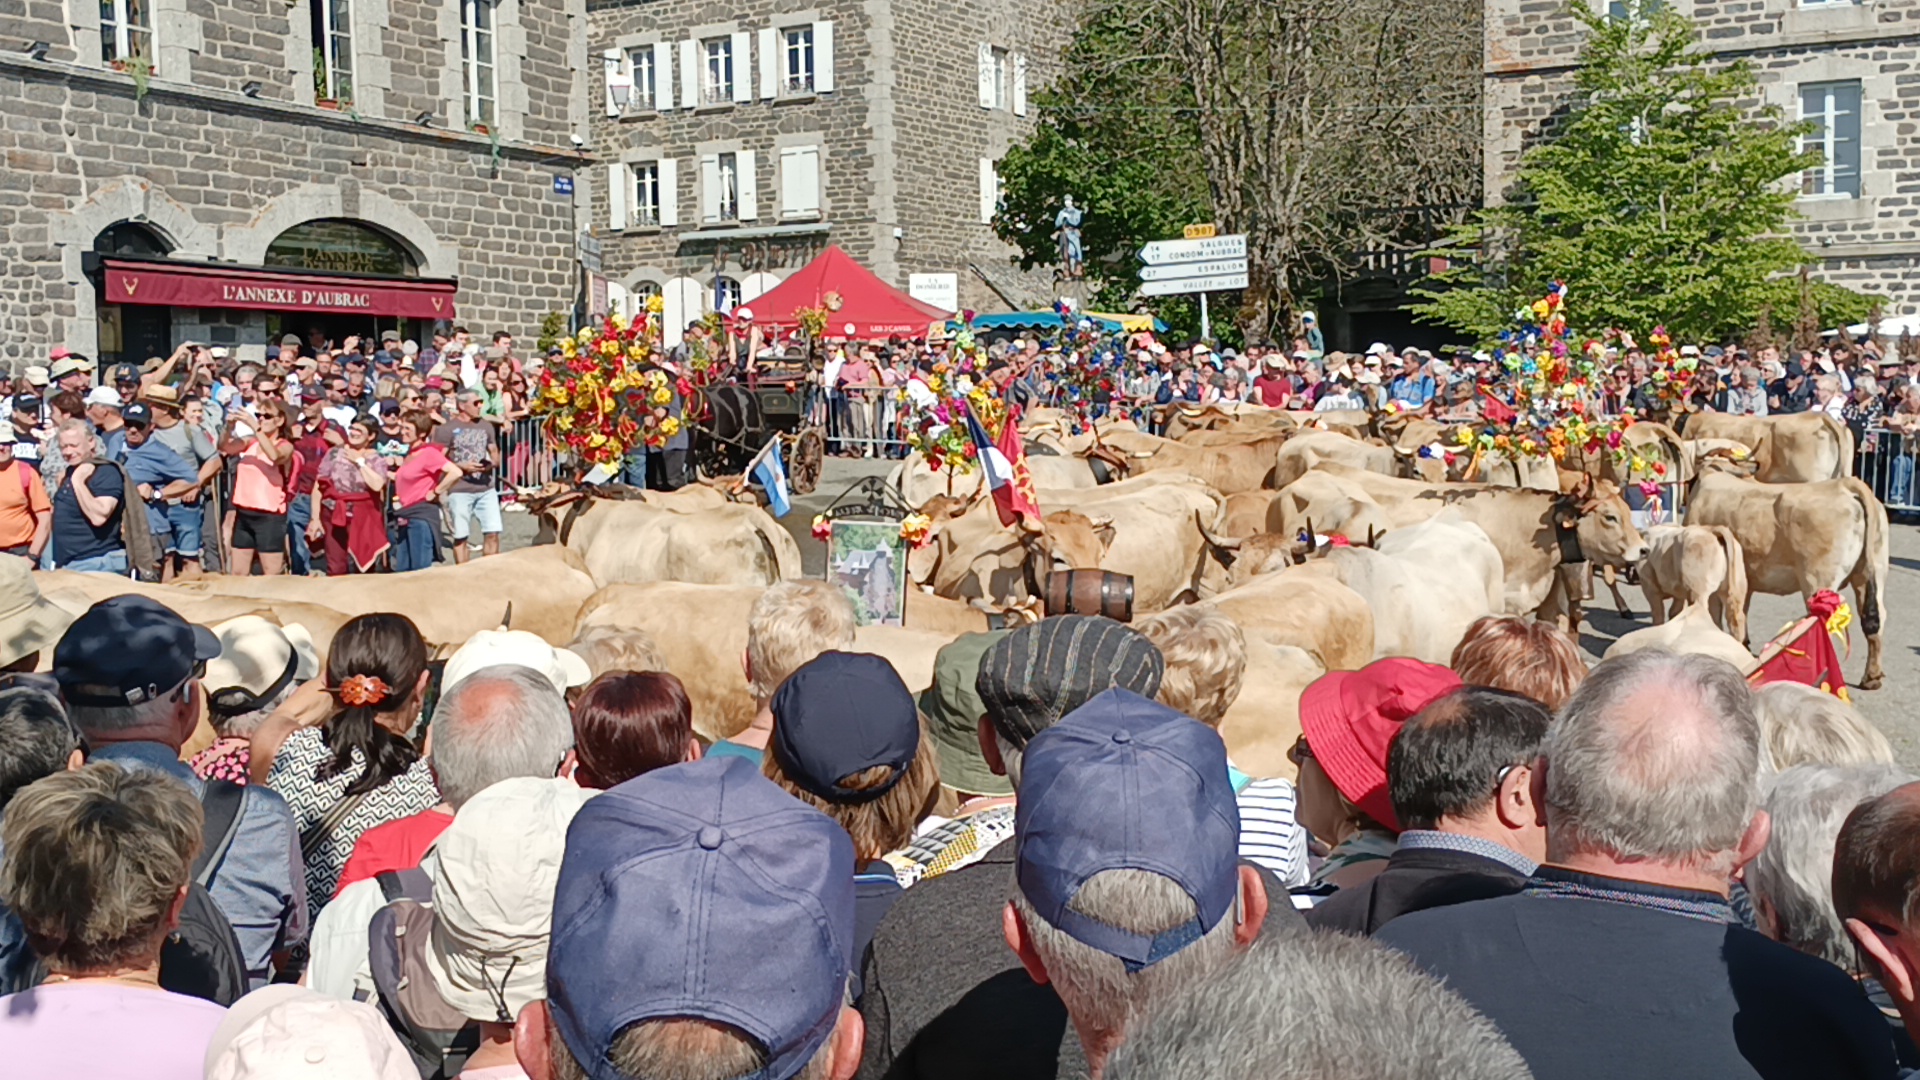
x=562 y=185
x=1214 y=283
x=1193 y=269
x=1202 y=232
x=1161 y=252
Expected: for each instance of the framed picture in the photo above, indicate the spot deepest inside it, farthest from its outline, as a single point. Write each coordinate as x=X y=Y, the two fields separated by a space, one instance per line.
x=868 y=560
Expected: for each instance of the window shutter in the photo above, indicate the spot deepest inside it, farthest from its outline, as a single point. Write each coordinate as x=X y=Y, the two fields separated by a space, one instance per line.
x=617 y=73
x=749 y=185
x=742 y=67
x=709 y=189
x=689 y=74
x=986 y=76
x=1019 y=84
x=772 y=62
x=663 y=75
x=669 y=193
x=800 y=181
x=823 y=57
x=618 y=184
x=989 y=191
x=1846 y=139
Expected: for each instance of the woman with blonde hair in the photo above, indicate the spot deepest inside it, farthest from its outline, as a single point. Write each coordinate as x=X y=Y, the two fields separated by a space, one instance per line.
x=1524 y=656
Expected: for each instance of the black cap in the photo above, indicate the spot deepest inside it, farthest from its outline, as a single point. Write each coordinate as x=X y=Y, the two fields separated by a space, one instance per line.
x=126 y=373
x=1038 y=673
x=128 y=650
x=840 y=714
x=1795 y=371
x=26 y=403
x=137 y=415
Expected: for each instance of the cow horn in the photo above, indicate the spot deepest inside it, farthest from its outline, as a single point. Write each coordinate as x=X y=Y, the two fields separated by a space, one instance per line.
x=506 y=617
x=1224 y=543
x=1313 y=541
x=1373 y=537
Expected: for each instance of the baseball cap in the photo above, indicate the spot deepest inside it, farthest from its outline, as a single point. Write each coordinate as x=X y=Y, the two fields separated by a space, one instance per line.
x=493 y=874
x=257 y=660
x=489 y=648
x=1350 y=718
x=702 y=891
x=1795 y=371
x=29 y=621
x=36 y=375
x=1378 y=348
x=744 y=314
x=287 y=1032
x=1126 y=783
x=953 y=710
x=126 y=373
x=839 y=714
x=126 y=650
x=1037 y=674
x=290 y=340
x=137 y=415
x=389 y=335
x=104 y=395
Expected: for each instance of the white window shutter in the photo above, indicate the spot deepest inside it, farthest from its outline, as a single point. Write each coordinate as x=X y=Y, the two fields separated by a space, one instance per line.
x=742 y=67
x=986 y=76
x=772 y=62
x=1019 y=84
x=749 y=183
x=669 y=193
x=619 y=182
x=989 y=191
x=663 y=75
x=690 y=74
x=800 y=181
x=709 y=189
x=823 y=57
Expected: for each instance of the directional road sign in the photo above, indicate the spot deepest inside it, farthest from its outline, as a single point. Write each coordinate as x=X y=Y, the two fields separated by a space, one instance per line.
x=1210 y=268
x=1215 y=283
x=1161 y=252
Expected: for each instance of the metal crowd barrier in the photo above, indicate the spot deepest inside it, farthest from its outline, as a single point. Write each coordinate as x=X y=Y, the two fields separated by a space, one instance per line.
x=860 y=421
x=1884 y=460
x=526 y=457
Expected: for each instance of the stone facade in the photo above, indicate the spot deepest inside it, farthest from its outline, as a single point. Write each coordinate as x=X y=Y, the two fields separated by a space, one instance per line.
x=228 y=148
x=1868 y=241
x=886 y=153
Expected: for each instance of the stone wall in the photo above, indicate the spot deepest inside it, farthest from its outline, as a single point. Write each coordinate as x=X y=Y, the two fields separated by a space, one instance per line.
x=1872 y=242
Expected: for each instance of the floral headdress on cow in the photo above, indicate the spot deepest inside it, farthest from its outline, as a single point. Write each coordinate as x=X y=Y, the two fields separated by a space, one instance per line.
x=1553 y=380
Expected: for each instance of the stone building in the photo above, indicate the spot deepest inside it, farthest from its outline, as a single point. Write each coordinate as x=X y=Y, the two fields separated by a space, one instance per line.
x=1847 y=67
x=736 y=143
x=230 y=170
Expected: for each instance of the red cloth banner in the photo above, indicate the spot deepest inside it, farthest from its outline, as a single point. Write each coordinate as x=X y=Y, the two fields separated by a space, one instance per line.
x=1804 y=652
x=210 y=285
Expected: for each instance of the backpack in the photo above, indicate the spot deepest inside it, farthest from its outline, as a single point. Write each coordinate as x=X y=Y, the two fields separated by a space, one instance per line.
x=202 y=956
x=435 y=1033
x=143 y=555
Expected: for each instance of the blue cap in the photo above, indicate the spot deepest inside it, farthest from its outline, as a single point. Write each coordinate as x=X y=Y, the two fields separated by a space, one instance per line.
x=1125 y=783
x=840 y=714
x=127 y=650
x=702 y=890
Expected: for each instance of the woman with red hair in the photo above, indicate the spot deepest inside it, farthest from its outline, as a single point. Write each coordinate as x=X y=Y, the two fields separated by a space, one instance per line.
x=626 y=723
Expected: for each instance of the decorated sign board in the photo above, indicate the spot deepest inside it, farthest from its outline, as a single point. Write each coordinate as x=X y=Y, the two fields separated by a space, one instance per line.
x=867 y=552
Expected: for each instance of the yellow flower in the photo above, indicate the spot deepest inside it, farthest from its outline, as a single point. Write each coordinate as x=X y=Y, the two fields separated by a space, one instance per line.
x=670 y=427
x=662 y=396
x=656 y=303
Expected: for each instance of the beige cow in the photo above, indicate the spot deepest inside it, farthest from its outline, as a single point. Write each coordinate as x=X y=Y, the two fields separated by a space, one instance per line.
x=1692 y=630
x=1792 y=449
x=196 y=606
x=1308 y=449
x=1700 y=565
x=627 y=541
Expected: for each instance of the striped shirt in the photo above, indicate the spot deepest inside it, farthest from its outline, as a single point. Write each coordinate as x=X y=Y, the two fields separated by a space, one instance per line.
x=1270 y=835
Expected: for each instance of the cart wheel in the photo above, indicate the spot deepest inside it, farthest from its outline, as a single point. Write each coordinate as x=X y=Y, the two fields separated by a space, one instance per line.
x=809 y=457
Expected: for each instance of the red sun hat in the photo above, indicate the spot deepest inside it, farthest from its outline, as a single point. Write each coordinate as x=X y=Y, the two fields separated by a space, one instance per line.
x=1351 y=717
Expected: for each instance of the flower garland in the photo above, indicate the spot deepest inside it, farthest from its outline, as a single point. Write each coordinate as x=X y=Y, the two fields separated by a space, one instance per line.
x=592 y=400
x=1551 y=380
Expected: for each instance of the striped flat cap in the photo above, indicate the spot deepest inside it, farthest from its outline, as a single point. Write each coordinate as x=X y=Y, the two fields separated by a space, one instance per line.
x=1037 y=674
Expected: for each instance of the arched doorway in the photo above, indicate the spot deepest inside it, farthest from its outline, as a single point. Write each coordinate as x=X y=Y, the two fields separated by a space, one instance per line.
x=341 y=246
x=132 y=332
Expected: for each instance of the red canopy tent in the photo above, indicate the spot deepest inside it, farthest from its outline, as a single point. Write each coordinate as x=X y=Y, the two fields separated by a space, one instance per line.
x=874 y=308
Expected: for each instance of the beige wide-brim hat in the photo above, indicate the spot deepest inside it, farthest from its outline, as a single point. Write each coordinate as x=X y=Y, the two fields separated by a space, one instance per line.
x=29 y=621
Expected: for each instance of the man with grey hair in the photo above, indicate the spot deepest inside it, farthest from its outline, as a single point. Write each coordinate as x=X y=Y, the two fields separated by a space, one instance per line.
x=472 y=445
x=1313 y=1006
x=499 y=723
x=1622 y=957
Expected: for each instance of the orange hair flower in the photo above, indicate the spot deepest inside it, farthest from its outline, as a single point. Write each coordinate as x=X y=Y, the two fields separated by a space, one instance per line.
x=363 y=690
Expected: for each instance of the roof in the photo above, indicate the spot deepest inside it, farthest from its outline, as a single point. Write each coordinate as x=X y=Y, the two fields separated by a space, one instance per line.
x=873 y=307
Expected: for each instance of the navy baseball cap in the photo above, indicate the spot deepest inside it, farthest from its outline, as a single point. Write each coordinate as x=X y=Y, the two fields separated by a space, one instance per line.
x=839 y=714
x=702 y=891
x=137 y=415
x=127 y=650
x=1125 y=783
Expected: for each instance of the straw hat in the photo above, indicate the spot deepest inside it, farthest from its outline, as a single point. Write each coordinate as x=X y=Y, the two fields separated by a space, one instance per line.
x=29 y=622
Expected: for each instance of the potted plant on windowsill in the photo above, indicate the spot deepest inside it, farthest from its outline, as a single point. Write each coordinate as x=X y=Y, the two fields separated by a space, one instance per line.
x=322 y=93
x=479 y=129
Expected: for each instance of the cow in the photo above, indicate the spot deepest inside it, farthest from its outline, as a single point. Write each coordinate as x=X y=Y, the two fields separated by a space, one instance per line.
x=320 y=622
x=1802 y=538
x=538 y=589
x=1692 y=630
x=630 y=540
x=1263 y=723
x=1301 y=453
x=1699 y=565
x=1796 y=448
x=917 y=482
x=1425 y=584
x=1238 y=416
x=1233 y=462
x=1536 y=532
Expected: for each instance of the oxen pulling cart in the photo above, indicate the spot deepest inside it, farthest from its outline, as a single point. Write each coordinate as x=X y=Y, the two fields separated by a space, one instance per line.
x=737 y=419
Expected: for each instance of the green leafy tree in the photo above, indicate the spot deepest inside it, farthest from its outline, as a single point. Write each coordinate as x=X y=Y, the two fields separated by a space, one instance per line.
x=1663 y=197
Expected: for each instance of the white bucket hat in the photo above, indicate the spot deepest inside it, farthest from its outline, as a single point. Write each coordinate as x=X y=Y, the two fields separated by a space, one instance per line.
x=257 y=660
x=285 y=1032
x=488 y=648
x=29 y=622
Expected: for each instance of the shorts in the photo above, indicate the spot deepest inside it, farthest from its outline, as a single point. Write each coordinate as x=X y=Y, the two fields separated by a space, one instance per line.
x=183 y=520
x=464 y=506
x=258 y=530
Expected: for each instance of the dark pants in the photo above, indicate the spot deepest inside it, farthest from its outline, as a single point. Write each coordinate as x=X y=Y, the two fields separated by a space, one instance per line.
x=414 y=543
x=667 y=470
x=299 y=514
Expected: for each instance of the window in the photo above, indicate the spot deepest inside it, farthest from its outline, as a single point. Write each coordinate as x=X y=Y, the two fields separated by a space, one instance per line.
x=799 y=61
x=646 y=193
x=800 y=182
x=1001 y=78
x=1639 y=12
x=645 y=80
x=476 y=57
x=717 y=86
x=727 y=190
x=332 y=50
x=726 y=294
x=1834 y=111
x=126 y=30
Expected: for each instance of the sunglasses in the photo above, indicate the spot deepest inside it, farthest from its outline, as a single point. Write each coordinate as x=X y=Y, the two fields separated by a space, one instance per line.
x=1300 y=752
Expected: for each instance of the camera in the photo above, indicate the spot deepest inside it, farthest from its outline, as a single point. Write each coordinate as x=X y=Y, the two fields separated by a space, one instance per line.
x=577 y=140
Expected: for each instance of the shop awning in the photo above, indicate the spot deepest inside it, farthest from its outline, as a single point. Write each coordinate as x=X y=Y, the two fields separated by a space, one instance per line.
x=172 y=283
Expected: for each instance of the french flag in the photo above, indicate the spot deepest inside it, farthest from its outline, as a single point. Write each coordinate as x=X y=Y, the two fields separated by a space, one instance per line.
x=1005 y=467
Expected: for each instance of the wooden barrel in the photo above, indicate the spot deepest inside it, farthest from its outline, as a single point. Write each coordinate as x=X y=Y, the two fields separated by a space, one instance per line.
x=1090 y=592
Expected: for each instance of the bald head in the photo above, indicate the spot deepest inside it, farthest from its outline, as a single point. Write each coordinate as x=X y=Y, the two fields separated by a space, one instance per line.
x=1655 y=757
x=1876 y=860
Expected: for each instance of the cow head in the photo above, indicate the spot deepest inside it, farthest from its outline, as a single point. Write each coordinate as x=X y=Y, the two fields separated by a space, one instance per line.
x=1599 y=517
x=1247 y=557
x=924 y=561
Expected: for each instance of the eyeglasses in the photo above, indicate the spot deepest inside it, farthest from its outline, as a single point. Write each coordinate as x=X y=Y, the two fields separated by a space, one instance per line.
x=1300 y=752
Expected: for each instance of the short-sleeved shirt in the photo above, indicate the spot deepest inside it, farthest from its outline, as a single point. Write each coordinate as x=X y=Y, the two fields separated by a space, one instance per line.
x=191 y=443
x=22 y=498
x=468 y=442
x=76 y=538
x=104 y=1031
x=397 y=845
x=295 y=776
x=420 y=473
x=154 y=465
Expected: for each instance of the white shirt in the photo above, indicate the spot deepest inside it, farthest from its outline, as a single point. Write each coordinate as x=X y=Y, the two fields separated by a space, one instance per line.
x=337 y=964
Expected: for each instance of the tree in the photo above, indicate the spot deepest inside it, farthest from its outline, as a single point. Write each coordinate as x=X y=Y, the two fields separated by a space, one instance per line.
x=1662 y=198
x=1309 y=125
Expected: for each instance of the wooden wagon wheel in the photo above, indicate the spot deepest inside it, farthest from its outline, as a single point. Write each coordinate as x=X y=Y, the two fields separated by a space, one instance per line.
x=808 y=458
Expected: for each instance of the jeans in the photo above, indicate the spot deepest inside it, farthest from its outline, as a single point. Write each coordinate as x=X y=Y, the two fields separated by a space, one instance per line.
x=1902 y=489
x=113 y=562
x=413 y=544
x=299 y=514
x=633 y=469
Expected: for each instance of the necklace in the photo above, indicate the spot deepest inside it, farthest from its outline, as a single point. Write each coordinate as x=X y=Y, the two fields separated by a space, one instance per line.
x=145 y=978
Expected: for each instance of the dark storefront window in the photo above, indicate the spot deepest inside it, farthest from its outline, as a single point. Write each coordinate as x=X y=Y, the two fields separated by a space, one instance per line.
x=344 y=246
